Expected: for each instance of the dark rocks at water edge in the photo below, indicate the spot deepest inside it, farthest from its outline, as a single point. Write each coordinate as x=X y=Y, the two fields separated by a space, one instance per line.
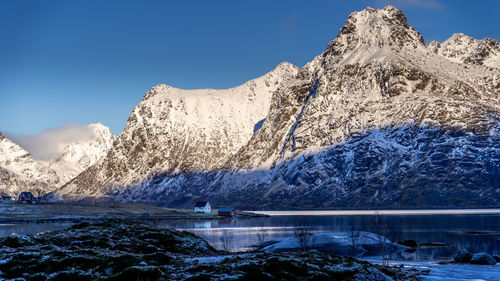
x=91 y=251
x=478 y=258
x=118 y=250
x=463 y=257
x=483 y=258
x=409 y=243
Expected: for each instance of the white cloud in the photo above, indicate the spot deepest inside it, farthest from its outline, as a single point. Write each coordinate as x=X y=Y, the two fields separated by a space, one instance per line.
x=50 y=143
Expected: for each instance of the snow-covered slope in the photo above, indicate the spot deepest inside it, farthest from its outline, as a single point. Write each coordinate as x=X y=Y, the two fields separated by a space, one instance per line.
x=378 y=119
x=182 y=131
x=19 y=171
x=465 y=49
x=376 y=74
x=82 y=153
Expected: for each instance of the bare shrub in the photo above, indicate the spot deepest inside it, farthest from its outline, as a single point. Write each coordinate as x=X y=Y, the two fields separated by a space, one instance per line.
x=381 y=232
x=227 y=239
x=262 y=234
x=394 y=234
x=303 y=233
x=354 y=237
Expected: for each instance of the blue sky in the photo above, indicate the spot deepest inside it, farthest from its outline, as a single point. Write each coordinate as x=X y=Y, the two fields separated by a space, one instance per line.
x=92 y=61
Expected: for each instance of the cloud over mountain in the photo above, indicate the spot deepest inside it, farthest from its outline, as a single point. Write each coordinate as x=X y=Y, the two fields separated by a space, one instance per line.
x=50 y=143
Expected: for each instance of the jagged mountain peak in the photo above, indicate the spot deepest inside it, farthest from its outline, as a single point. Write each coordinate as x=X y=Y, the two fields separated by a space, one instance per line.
x=99 y=128
x=462 y=48
x=93 y=147
x=284 y=65
x=82 y=153
x=462 y=38
x=375 y=28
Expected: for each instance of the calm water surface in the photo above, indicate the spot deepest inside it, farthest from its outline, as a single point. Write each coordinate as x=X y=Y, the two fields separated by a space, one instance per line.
x=30 y=228
x=473 y=230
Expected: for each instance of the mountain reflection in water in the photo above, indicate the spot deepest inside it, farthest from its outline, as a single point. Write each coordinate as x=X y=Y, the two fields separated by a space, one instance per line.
x=445 y=231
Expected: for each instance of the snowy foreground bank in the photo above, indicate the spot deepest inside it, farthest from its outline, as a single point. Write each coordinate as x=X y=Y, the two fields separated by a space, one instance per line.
x=119 y=250
x=338 y=243
x=452 y=272
x=341 y=243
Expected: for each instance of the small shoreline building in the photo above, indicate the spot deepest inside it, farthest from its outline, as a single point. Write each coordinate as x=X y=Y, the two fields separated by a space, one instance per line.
x=202 y=207
x=226 y=212
x=26 y=197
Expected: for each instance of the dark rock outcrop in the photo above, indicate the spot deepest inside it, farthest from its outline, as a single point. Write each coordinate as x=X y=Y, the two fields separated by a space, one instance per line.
x=482 y=258
x=463 y=257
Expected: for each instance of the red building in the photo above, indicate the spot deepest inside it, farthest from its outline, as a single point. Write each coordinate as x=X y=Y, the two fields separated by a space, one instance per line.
x=26 y=197
x=226 y=212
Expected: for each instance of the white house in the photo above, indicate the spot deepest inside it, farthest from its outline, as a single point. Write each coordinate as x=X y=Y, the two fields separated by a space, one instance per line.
x=202 y=207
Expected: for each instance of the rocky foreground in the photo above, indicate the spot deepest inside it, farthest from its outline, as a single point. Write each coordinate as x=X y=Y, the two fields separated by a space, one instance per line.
x=118 y=250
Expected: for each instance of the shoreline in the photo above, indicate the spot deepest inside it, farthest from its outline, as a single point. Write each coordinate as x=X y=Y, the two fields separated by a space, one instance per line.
x=474 y=211
x=78 y=212
x=124 y=250
x=75 y=213
x=126 y=210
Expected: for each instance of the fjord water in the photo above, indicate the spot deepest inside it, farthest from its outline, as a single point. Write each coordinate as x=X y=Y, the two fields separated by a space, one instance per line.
x=472 y=230
x=30 y=228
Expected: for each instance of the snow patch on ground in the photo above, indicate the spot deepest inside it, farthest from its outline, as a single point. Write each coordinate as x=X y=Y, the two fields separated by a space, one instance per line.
x=453 y=272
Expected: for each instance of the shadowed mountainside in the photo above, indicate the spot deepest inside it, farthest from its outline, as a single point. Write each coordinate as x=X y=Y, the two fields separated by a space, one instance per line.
x=408 y=166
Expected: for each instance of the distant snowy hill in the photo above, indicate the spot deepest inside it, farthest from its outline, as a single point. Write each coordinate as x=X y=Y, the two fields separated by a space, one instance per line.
x=81 y=154
x=378 y=119
x=465 y=49
x=19 y=171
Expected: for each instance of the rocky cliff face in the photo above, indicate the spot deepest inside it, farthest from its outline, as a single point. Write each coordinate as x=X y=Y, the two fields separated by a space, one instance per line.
x=359 y=84
x=378 y=119
x=19 y=171
x=180 y=131
x=465 y=49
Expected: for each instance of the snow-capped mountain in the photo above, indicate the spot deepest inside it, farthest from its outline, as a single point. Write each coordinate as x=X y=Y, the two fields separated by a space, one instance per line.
x=19 y=171
x=80 y=154
x=378 y=119
x=465 y=49
x=182 y=131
